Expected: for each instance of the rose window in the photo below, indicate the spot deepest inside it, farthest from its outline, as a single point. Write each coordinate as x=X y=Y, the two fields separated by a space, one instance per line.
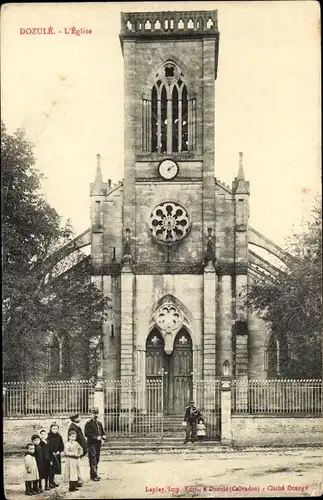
x=169 y=222
x=168 y=318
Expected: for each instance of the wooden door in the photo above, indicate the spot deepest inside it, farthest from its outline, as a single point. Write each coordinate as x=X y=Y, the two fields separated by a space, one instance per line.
x=155 y=355
x=180 y=367
x=155 y=362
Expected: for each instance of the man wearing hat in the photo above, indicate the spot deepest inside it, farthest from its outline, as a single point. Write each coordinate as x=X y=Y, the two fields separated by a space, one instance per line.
x=75 y=426
x=191 y=416
x=95 y=435
x=80 y=438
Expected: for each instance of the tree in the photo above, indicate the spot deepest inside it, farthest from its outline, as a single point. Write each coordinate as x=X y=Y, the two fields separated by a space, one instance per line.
x=292 y=302
x=38 y=298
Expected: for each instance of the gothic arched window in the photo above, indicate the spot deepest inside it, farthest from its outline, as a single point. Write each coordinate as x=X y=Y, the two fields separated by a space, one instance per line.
x=66 y=357
x=272 y=357
x=54 y=357
x=169 y=114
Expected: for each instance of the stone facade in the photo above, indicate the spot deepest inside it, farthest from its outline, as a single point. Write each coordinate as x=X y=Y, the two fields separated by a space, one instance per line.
x=204 y=275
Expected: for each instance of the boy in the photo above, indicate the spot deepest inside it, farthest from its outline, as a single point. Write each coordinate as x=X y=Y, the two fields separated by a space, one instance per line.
x=46 y=458
x=39 y=460
x=32 y=476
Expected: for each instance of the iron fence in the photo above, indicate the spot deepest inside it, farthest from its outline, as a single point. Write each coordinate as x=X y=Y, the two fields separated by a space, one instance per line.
x=137 y=407
x=133 y=407
x=47 y=398
x=207 y=395
x=277 y=396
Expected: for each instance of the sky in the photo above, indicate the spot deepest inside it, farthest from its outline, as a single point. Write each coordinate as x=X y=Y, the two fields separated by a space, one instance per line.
x=66 y=91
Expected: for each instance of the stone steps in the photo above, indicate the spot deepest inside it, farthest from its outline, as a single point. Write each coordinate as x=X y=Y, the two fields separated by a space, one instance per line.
x=168 y=441
x=123 y=445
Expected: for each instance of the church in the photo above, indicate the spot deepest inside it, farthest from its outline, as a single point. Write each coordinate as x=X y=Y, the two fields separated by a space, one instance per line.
x=171 y=244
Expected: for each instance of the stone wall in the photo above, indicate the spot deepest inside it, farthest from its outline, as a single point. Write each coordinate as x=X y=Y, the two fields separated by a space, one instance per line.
x=237 y=430
x=258 y=333
x=148 y=196
x=149 y=56
x=18 y=431
x=259 y=430
x=224 y=224
x=188 y=289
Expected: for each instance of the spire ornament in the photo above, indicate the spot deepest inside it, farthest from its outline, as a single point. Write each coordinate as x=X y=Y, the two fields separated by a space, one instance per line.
x=126 y=253
x=239 y=184
x=209 y=257
x=98 y=187
x=98 y=173
x=240 y=171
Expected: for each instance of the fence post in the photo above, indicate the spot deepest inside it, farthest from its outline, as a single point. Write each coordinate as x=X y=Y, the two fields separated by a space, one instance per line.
x=98 y=398
x=226 y=431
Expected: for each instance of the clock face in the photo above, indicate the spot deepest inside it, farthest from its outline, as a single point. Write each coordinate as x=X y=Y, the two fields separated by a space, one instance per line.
x=168 y=169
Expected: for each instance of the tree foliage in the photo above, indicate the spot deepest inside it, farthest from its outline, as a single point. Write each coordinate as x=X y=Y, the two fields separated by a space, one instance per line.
x=292 y=301
x=40 y=299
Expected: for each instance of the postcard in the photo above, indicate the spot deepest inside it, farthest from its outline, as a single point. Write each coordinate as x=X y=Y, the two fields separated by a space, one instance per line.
x=162 y=295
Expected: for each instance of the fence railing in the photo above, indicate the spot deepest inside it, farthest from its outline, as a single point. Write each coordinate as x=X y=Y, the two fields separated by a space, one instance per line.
x=277 y=396
x=207 y=395
x=47 y=398
x=134 y=407
x=137 y=407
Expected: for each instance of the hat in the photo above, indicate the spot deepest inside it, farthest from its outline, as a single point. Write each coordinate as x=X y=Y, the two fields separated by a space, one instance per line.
x=192 y=402
x=35 y=436
x=73 y=417
x=95 y=411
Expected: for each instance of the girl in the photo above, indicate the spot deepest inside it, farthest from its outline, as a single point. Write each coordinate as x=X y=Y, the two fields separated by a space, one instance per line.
x=47 y=463
x=200 y=429
x=32 y=476
x=56 y=448
x=73 y=452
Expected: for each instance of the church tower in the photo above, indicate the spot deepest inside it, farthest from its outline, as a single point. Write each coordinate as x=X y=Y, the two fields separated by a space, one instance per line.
x=170 y=67
x=169 y=243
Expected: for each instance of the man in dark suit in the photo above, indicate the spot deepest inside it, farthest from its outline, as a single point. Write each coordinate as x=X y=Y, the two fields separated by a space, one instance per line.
x=191 y=416
x=95 y=435
x=75 y=426
x=80 y=438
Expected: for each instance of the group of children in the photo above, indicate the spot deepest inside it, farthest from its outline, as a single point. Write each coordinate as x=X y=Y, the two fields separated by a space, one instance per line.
x=43 y=460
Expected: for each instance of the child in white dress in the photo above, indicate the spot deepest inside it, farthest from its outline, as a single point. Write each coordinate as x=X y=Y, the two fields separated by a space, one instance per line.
x=31 y=470
x=201 y=432
x=73 y=451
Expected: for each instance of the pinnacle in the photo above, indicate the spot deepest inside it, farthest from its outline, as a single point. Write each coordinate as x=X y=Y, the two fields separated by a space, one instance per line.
x=240 y=171
x=98 y=174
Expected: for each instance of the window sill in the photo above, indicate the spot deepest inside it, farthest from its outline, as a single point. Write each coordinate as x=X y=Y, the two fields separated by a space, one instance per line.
x=187 y=155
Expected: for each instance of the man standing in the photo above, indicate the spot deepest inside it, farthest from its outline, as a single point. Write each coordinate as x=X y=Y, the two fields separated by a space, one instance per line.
x=80 y=438
x=192 y=414
x=95 y=435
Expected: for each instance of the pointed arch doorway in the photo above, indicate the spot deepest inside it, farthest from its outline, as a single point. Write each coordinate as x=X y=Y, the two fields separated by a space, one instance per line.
x=177 y=383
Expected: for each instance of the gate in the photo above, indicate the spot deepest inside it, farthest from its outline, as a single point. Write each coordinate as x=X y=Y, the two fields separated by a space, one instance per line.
x=207 y=397
x=133 y=408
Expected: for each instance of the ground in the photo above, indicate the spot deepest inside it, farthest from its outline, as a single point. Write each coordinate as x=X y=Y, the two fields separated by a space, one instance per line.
x=281 y=472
